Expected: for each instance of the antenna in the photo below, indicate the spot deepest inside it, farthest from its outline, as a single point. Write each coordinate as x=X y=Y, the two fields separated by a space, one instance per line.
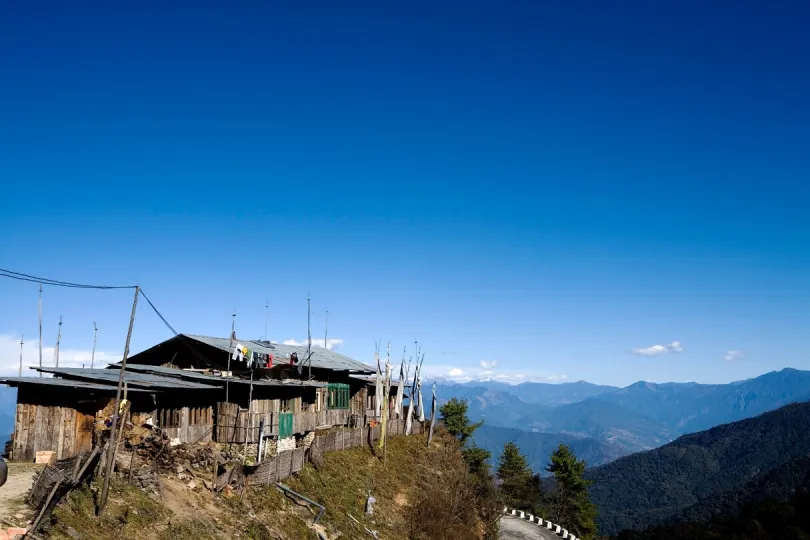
x=22 y=338
x=95 y=337
x=58 y=340
x=40 y=328
x=266 y=304
x=326 y=331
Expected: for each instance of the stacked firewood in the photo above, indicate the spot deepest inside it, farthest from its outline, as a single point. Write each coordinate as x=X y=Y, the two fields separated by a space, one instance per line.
x=153 y=453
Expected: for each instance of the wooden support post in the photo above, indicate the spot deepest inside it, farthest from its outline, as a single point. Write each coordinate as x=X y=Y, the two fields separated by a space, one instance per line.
x=248 y=423
x=216 y=469
x=111 y=457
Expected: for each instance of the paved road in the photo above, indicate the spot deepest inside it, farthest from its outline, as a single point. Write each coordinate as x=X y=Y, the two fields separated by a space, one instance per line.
x=514 y=528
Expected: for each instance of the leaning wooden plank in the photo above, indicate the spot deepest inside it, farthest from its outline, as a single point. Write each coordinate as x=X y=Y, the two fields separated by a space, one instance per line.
x=45 y=506
x=90 y=460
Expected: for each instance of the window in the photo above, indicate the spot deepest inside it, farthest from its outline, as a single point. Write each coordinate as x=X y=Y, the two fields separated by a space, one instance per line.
x=287 y=405
x=338 y=396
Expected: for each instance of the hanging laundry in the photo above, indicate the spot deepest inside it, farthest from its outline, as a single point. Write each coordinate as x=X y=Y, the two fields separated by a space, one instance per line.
x=293 y=359
x=269 y=361
x=237 y=353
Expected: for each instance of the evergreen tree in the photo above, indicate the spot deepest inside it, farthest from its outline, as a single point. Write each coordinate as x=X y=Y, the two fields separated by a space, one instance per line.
x=516 y=478
x=454 y=416
x=476 y=458
x=570 y=504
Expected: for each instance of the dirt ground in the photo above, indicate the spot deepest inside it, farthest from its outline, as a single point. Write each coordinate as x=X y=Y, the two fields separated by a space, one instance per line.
x=12 y=493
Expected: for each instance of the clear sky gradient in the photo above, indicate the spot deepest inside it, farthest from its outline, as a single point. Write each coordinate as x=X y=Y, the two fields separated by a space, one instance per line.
x=543 y=185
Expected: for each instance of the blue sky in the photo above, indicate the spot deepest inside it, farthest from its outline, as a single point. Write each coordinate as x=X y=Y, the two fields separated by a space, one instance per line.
x=541 y=185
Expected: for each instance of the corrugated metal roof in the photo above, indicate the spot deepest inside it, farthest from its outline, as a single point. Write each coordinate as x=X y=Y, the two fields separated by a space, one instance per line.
x=213 y=379
x=143 y=380
x=50 y=381
x=321 y=358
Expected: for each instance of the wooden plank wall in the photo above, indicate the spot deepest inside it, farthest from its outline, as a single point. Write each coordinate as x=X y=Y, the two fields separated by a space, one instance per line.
x=63 y=430
x=231 y=425
x=189 y=424
x=232 y=421
x=358 y=402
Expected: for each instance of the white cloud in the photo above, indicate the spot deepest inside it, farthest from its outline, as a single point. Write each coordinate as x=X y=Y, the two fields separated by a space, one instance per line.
x=655 y=350
x=10 y=356
x=730 y=356
x=488 y=364
x=474 y=373
x=331 y=344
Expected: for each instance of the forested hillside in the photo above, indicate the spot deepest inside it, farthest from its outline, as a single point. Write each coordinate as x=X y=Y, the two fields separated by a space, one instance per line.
x=537 y=447
x=701 y=473
x=766 y=520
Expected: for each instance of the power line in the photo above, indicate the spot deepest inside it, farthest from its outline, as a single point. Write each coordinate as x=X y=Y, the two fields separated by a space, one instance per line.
x=57 y=283
x=194 y=351
x=162 y=318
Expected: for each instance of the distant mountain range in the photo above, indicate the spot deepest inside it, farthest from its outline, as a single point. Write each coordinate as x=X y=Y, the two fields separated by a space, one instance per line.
x=8 y=409
x=639 y=417
x=713 y=472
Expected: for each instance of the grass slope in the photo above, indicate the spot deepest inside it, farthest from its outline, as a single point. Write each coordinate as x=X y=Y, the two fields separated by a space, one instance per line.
x=341 y=484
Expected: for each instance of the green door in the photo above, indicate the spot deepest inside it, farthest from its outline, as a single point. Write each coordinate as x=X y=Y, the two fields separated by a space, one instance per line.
x=285 y=425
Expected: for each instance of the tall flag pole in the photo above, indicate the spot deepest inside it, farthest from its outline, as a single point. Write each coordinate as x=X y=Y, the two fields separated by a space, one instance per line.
x=22 y=338
x=95 y=338
x=432 y=416
x=58 y=340
x=378 y=388
x=400 y=388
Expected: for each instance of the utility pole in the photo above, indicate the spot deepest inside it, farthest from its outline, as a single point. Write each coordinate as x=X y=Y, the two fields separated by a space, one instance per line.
x=58 y=341
x=111 y=450
x=326 y=331
x=230 y=353
x=21 y=354
x=95 y=337
x=266 y=304
x=40 y=328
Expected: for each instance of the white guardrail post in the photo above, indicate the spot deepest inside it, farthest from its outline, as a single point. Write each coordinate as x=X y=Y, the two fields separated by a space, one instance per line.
x=558 y=530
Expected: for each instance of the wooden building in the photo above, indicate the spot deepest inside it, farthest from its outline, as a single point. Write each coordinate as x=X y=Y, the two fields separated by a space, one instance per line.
x=337 y=396
x=183 y=386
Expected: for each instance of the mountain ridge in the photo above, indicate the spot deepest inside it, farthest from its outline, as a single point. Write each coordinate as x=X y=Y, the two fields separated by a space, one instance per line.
x=667 y=484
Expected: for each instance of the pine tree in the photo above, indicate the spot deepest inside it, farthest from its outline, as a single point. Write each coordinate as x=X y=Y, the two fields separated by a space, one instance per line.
x=455 y=419
x=571 y=505
x=453 y=415
x=516 y=478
